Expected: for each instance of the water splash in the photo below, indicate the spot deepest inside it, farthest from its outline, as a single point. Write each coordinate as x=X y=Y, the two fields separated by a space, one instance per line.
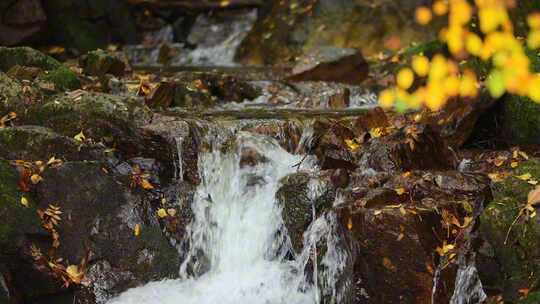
x=233 y=236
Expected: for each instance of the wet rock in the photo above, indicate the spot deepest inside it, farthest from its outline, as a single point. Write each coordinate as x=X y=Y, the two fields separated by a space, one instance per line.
x=372 y=119
x=206 y=90
x=331 y=64
x=418 y=148
x=340 y=178
x=329 y=145
x=100 y=62
x=100 y=213
x=298 y=194
x=398 y=239
x=513 y=239
x=250 y=157
x=182 y=138
x=19 y=228
x=287 y=133
x=340 y=100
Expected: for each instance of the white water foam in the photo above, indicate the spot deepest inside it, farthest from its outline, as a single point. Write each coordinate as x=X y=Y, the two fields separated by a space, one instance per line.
x=235 y=227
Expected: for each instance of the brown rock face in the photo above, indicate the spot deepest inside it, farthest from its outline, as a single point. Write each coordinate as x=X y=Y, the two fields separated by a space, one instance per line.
x=401 y=240
x=331 y=64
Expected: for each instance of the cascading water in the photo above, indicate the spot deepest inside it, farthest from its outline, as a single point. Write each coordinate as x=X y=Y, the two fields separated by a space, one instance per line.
x=235 y=227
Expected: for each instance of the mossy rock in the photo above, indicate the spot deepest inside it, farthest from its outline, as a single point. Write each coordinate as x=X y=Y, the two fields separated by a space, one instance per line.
x=10 y=90
x=99 y=116
x=63 y=78
x=521 y=122
x=17 y=220
x=39 y=143
x=26 y=56
x=519 y=257
x=100 y=62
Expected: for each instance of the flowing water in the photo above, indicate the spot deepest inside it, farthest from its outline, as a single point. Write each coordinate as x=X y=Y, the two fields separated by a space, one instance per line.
x=236 y=228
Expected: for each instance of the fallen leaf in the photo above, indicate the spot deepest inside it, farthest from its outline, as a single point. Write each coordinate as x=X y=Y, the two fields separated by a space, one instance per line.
x=80 y=137
x=524 y=292
x=145 y=184
x=524 y=177
x=514 y=164
x=387 y=263
x=35 y=179
x=400 y=191
x=74 y=273
x=532 y=182
x=137 y=230
x=499 y=161
x=349 y=224
x=162 y=213
x=24 y=201
x=524 y=155
x=534 y=196
x=352 y=144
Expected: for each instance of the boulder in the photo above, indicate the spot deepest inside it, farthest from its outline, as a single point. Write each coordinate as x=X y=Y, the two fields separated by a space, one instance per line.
x=402 y=241
x=513 y=249
x=521 y=120
x=100 y=62
x=331 y=64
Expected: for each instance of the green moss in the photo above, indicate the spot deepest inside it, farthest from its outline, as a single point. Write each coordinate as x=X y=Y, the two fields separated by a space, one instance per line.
x=532 y=298
x=25 y=56
x=519 y=257
x=429 y=49
x=63 y=78
x=521 y=120
x=16 y=218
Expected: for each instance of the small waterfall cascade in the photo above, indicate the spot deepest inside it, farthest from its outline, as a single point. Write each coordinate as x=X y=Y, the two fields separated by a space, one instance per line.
x=238 y=251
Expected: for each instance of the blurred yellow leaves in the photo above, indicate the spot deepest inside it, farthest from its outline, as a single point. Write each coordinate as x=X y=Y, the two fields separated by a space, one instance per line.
x=495 y=41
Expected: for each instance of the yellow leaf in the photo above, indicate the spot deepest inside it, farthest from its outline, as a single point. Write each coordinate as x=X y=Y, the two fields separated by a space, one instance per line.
x=499 y=161
x=352 y=144
x=137 y=230
x=35 y=179
x=146 y=184
x=524 y=177
x=377 y=212
x=386 y=98
x=440 y=7
x=532 y=182
x=400 y=191
x=24 y=201
x=74 y=273
x=349 y=224
x=514 y=164
x=524 y=155
x=80 y=137
x=162 y=213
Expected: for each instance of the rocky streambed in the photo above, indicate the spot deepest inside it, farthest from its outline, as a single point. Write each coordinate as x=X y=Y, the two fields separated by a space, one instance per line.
x=115 y=177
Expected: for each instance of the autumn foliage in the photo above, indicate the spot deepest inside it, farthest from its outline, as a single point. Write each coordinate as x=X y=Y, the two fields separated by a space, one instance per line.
x=481 y=31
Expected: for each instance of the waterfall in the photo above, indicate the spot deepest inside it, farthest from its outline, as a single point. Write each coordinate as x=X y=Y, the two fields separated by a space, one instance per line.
x=235 y=256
